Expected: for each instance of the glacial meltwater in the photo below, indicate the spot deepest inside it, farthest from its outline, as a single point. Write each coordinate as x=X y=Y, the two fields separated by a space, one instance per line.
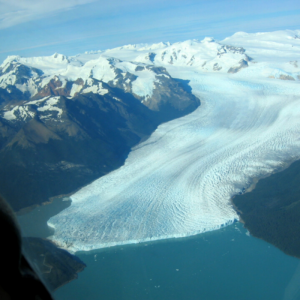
x=218 y=265
x=223 y=264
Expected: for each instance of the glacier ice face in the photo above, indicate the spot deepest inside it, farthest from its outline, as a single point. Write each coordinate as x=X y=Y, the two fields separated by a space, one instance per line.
x=179 y=182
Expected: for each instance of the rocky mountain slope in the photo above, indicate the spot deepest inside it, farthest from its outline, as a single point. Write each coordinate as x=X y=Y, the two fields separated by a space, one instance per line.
x=58 y=132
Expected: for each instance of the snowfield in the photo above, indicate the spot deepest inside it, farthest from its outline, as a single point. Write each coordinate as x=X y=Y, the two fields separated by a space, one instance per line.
x=267 y=55
x=179 y=182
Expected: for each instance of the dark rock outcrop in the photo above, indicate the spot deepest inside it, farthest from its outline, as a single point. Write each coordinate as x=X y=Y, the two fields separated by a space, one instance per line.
x=55 y=266
x=272 y=210
x=242 y=64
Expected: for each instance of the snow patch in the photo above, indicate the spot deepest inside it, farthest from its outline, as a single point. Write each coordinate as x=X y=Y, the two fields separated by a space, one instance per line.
x=76 y=88
x=50 y=104
x=37 y=102
x=21 y=112
x=96 y=89
x=143 y=86
x=10 y=115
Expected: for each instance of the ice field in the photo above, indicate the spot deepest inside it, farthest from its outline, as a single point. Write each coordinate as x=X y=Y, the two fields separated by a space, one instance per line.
x=180 y=181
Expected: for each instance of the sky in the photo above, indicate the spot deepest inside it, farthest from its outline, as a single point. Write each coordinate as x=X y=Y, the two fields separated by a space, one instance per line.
x=43 y=27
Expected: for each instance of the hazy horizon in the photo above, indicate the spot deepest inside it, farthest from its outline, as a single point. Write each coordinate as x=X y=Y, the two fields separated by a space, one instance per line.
x=38 y=28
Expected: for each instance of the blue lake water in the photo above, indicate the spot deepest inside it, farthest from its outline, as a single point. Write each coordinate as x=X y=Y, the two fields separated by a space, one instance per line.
x=223 y=264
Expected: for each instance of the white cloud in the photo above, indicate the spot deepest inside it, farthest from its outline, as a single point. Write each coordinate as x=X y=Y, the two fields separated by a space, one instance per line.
x=14 y=12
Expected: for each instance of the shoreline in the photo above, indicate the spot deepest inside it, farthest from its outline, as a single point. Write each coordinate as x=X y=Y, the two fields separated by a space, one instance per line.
x=29 y=209
x=50 y=200
x=61 y=203
x=270 y=212
x=146 y=240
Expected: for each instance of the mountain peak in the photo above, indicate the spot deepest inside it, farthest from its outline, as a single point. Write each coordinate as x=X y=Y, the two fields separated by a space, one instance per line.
x=208 y=40
x=8 y=61
x=59 y=56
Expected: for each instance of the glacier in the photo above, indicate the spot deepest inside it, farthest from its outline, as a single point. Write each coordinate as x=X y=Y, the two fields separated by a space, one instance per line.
x=180 y=181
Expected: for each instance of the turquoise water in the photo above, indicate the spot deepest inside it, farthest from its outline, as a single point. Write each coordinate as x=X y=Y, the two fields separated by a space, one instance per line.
x=223 y=264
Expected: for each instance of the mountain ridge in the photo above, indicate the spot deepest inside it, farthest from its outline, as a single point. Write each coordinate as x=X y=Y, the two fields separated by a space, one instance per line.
x=67 y=133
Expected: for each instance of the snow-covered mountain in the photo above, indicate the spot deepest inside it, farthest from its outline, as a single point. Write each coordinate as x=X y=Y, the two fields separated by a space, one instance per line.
x=40 y=77
x=144 y=70
x=133 y=68
x=265 y=54
x=101 y=106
